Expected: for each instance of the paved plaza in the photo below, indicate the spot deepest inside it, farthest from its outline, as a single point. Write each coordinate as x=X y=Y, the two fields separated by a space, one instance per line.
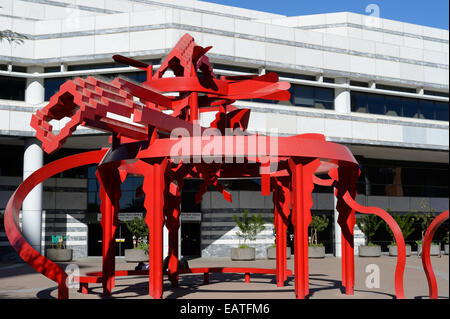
x=18 y=280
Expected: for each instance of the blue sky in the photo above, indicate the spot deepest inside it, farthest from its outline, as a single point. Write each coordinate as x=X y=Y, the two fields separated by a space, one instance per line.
x=433 y=13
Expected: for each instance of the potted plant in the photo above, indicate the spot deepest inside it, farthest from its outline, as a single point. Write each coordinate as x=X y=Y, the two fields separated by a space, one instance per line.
x=139 y=231
x=318 y=224
x=425 y=221
x=59 y=251
x=272 y=250
x=249 y=227
x=405 y=222
x=369 y=225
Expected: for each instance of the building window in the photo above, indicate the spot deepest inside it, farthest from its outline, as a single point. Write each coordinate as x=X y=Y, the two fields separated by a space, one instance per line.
x=396 y=88
x=397 y=178
x=51 y=86
x=398 y=106
x=12 y=88
x=294 y=75
x=309 y=96
x=375 y=104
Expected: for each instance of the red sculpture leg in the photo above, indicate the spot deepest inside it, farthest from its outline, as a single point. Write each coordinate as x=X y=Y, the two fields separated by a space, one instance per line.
x=153 y=187
x=173 y=201
x=426 y=262
x=302 y=187
x=347 y=177
x=109 y=179
x=281 y=200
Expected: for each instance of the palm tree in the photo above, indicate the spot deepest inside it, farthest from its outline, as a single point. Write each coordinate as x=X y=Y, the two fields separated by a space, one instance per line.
x=12 y=37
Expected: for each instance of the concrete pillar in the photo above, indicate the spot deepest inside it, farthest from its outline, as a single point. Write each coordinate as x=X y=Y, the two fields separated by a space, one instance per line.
x=165 y=241
x=336 y=230
x=35 y=91
x=342 y=97
x=33 y=158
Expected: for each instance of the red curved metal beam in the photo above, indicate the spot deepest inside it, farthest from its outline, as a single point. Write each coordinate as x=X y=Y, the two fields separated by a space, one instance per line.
x=32 y=257
x=426 y=262
x=401 y=258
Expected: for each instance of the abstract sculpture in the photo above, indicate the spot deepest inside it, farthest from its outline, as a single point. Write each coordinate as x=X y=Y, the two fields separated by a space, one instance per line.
x=156 y=133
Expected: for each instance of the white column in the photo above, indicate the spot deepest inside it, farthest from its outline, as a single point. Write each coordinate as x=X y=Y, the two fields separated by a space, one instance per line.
x=33 y=159
x=342 y=97
x=32 y=206
x=35 y=91
x=337 y=230
x=165 y=241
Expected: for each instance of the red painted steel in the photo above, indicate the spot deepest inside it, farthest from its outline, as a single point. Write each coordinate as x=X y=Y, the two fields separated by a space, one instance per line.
x=348 y=199
x=426 y=262
x=140 y=144
x=11 y=218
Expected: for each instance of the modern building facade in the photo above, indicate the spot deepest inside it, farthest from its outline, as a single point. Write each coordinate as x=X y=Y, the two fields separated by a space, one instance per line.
x=379 y=86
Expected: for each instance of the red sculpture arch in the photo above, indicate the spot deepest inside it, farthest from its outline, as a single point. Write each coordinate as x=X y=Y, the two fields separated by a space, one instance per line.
x=426 y=261
x=156 y=134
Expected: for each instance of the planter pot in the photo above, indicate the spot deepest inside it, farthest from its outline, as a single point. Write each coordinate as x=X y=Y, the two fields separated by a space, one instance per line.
x=55 y=254
x=434 y=250
x=369 y=251
x=272 y=253
x=136 y=255
x=446 y=249
x=316 y=251
x=393 y=250
x=243 y=253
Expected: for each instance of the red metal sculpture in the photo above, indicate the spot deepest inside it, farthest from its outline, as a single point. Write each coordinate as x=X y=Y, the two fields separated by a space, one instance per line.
x=426 y=262
x=156 y=134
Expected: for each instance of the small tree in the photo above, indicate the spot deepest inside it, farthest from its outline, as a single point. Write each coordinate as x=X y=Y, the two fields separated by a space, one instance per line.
x=369 y=225
x=139 y=230
x=249 y=227
x=318 y=224
x=425 y=218
x=405 y=222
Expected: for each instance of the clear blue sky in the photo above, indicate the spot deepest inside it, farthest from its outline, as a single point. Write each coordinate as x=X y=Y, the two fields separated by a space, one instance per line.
x=433 y=13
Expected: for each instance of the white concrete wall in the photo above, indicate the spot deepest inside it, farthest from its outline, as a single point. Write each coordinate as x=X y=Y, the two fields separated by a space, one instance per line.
x=386 y=56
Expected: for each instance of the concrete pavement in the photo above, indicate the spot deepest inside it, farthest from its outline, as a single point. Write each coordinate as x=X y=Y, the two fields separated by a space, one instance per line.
x=20 y=281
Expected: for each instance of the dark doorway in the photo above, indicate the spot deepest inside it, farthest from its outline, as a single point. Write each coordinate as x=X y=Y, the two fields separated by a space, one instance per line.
x=94 y=239
x=123 y=239
x=190 y=239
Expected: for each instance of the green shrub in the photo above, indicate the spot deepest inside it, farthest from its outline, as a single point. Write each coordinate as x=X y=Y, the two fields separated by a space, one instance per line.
x=138 y=229
x=249 y=227
x=405 y=222
x=369 y=225
x=318 y=224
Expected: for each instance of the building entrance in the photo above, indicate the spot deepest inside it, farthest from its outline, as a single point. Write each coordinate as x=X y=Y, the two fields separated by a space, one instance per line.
x=190 y=239
x=123 y=239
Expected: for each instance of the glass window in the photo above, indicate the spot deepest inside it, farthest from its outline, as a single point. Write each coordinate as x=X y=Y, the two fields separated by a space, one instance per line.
x=52 y=85
x=435 y=93
x=410 y=108
x=441 y=111
x=303 y=95
x=81 y=67
x=324 y=98
x=135 y=76
x=427 y=110
x=52 y=69
x=375 y=104
x=396 y=88
x=359 y=102
x=12 y=88
x=393 y=106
